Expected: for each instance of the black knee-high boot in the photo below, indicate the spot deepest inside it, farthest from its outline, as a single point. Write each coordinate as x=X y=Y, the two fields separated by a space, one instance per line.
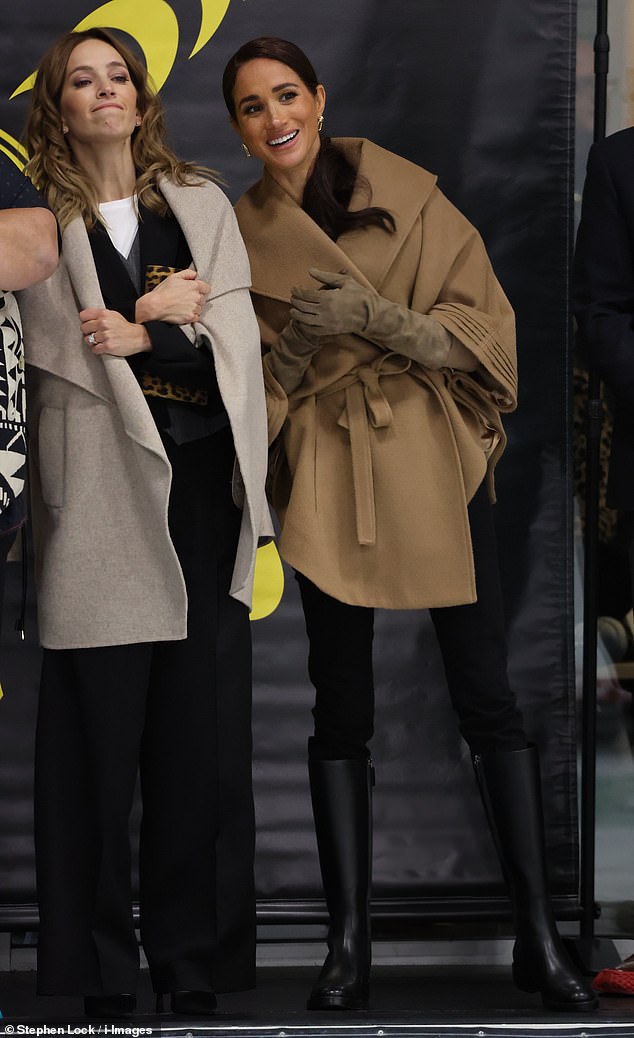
x=342 y=808
x=511 y=792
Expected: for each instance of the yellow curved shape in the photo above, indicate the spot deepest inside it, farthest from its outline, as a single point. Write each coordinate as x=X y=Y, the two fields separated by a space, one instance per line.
x=212 y=14
x=268 y=584
x=20 y=158
x=21 y=150
x=152 y=23
x=13 y=157
x=26 y=84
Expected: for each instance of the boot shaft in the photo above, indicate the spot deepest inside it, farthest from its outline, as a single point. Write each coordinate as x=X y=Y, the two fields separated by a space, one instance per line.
x=341 y=794
x=510 y=788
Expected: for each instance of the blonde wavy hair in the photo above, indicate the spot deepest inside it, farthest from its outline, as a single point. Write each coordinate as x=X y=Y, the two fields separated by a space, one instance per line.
x=52 y=166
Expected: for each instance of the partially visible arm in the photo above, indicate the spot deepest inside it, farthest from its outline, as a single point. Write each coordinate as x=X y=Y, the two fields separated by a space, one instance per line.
x=456 y=286
x=152 y=325
x=166 y=312
x=28 y=247
x=291 y=354
x=113 y=334
x=342 y=305
x=604 y=277
x=178 y=299
x=28 y=231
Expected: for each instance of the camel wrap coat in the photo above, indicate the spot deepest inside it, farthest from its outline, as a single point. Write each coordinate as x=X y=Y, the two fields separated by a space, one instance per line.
x=375 y=458
x=106 y=569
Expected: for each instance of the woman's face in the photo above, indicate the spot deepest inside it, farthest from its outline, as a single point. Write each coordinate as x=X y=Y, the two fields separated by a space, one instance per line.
x=277 y=115
x=98 y=102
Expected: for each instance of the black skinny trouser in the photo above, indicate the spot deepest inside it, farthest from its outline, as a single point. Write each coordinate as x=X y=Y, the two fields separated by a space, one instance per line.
x=472 y=641
x=181 y=711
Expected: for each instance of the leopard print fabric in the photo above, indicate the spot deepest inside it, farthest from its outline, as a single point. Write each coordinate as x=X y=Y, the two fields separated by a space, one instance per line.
x=155 y=273
x=607 y=516
x=152 y=385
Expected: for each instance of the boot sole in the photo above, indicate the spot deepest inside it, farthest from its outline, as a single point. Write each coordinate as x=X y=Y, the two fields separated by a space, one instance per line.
x=337 y=1002
x=571 y=1007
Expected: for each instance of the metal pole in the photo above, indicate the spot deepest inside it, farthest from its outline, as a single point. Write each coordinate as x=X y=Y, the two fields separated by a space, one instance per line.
x=594 y=418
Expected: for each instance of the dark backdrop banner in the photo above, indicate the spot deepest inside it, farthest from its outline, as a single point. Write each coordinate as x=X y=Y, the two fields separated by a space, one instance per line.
x=480 y=94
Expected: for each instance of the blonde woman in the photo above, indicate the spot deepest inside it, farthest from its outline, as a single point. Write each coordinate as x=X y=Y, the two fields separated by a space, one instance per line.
x=148 y=438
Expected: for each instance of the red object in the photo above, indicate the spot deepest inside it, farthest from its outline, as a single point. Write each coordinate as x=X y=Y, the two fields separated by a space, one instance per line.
x=614 y=982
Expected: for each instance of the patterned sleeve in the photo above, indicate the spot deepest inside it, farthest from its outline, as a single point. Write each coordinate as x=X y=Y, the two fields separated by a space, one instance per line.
x=12 y=417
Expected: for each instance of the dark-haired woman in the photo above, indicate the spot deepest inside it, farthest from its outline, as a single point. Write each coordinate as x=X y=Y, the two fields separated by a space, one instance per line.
x=390 y=354
x=147 y=419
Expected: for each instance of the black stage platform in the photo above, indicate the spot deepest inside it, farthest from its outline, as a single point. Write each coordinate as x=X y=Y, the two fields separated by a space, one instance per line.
x=465 y=1001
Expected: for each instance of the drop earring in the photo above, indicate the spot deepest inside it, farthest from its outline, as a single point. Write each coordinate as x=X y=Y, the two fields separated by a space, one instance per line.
x=246 y=150
x=320 y=123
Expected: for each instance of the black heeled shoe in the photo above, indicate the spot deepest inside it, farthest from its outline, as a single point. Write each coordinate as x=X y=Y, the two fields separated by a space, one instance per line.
x=193 y=1003
x=109 y=1007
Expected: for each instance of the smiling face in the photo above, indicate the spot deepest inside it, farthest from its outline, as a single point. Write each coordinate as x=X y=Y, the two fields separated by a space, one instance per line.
x=277 y=117
x=98 y=102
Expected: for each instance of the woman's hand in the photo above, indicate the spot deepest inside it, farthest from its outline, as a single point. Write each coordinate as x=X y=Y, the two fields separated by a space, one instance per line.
x=178 y=299
x=291 y=355
x=107 y=331
x=340 y=305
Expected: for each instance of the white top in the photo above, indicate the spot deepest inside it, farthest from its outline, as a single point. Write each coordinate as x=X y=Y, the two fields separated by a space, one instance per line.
x=122 y=221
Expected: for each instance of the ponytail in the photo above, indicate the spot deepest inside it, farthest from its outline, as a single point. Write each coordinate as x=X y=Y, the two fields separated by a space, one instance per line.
x=328 y=192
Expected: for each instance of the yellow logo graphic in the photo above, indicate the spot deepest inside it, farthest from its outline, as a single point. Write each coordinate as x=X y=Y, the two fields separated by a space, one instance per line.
x=213 y=13
x=15 y=151
x=269 y=582
x=153 y=24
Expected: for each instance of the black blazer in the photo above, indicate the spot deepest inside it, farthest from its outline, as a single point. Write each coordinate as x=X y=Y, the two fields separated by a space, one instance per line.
x=173 y=357
x=603 y=294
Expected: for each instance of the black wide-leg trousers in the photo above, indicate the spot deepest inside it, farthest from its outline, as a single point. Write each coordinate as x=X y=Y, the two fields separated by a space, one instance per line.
x=180 y=713
x=472 y=641
x=6 y=543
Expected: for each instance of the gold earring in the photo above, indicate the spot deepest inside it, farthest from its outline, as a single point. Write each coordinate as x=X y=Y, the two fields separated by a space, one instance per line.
x=320 y=123
x=138 y=120
x=246 y=150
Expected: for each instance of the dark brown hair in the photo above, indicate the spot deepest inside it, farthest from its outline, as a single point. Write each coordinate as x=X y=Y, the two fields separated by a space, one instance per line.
x=332 y=179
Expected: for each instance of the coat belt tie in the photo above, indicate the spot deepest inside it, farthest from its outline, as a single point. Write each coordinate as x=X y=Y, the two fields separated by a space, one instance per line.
x=366 y=405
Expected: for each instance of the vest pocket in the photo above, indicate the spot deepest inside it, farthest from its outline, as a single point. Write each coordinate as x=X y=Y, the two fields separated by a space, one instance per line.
x=51 y=455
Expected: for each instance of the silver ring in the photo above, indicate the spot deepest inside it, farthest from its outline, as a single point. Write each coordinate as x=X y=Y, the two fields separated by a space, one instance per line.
x=91 y=339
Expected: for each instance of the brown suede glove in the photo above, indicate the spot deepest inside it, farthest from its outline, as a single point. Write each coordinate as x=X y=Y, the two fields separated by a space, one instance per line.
x=341 y=305
x=291 y=355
